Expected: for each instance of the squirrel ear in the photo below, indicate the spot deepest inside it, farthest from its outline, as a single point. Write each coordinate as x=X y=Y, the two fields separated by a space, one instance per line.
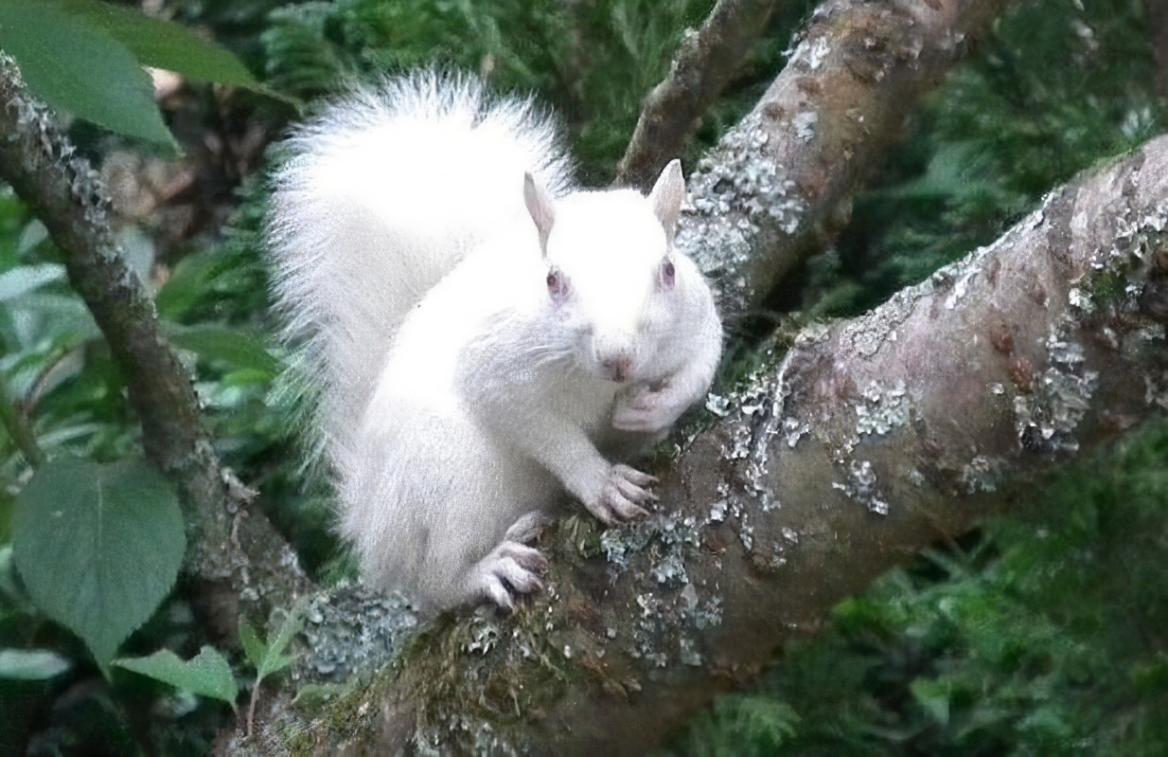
x=539 y=205
x=667 y=196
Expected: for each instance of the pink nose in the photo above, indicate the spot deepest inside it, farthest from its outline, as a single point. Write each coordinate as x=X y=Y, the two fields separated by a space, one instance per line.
x=618 y=368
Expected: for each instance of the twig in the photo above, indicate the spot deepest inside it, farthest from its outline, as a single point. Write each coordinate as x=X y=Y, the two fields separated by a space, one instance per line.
x=704 y=63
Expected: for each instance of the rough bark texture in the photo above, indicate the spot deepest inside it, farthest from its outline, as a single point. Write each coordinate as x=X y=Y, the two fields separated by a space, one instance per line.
x=233 y=553
x=704 y=64
x=871 y=439
x=781 y=181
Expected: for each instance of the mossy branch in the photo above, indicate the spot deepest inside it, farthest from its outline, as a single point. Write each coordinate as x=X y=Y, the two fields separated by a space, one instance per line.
x=780 y=183
x=872 y=438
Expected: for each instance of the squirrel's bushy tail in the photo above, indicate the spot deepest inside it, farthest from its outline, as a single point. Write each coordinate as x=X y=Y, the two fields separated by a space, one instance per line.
x=383 y=194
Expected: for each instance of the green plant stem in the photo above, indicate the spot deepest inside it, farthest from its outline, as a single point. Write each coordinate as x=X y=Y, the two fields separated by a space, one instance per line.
x=16 y=423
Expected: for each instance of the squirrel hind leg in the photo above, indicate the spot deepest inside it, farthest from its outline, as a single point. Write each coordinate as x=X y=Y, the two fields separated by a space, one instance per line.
x=512 y=568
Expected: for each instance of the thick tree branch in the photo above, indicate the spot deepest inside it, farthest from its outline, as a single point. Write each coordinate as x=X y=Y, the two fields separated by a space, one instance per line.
x=871 y=439
x=782 y=180
x=704 y=63
x=231 y=546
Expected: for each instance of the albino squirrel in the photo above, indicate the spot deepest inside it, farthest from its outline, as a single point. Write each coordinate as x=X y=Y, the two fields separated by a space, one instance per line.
x=479 y=329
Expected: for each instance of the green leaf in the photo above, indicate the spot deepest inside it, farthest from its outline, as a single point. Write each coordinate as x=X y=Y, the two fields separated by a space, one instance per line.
x=24 y=279
x=165 y=44
x=253 y=647
x=275 y=660
x=98 y=546
x=76 y=67
x=269 y=658
x=207 y=674
x=190 y=281
x=226 y=344
x=933 y=696
x=31 y=664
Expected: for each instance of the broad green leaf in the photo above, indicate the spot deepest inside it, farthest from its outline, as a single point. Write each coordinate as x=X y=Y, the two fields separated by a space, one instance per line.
x=23 y=279
x=78 y=68
x=253 y=647
x=207 y=674
x=269 y=658
x=226 y=344
x=31 y=664
x=98 y=546
x=275 y=660
x=164 y=44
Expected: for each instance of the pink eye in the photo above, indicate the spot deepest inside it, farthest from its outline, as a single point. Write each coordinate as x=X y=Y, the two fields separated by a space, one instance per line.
x=557 y=286
x=668 y=274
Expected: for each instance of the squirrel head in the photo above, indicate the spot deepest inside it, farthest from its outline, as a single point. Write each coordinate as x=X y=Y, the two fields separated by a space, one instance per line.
x=615 y=285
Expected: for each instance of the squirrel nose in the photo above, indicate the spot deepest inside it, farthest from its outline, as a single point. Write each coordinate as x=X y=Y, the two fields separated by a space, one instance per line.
x=617 y=367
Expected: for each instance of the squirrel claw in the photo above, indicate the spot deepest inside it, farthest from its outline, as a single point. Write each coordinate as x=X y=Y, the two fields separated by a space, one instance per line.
x=511 y=569
x=622 y=495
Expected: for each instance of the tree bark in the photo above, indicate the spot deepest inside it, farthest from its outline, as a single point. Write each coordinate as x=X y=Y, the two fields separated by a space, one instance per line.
x=703 y=65
x=872 y=438
x=233 y=552
x=780 y=182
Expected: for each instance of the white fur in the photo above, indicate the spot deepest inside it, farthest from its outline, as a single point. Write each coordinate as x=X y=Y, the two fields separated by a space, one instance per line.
x=461 y=397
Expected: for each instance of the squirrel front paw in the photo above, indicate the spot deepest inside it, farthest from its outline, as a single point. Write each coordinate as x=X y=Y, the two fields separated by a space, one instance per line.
x=621 y=494
x=646 y=408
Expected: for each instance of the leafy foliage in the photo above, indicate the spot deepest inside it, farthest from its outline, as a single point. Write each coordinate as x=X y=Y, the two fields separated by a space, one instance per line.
x=81 y=70
x=270 y=657
x=593 y=61
x=98 y=546
x=85 y=57
x=207 y=674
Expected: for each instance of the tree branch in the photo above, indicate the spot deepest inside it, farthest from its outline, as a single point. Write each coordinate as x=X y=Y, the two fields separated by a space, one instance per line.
x=231 y=546
x=704 y=63
x=781 y=181
x=871 y=439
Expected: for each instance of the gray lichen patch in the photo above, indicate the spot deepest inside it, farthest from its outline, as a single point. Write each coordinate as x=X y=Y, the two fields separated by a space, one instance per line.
x=1105 y=300
x=861 y=486
x=983 y=474
x=738 y=191
x=351 y=628
x=85 y=187
x=881 y=408
x=1045 y=419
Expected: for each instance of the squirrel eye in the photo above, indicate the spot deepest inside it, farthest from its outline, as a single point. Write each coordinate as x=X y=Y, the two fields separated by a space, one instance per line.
x=668 y=274
x=556 y=285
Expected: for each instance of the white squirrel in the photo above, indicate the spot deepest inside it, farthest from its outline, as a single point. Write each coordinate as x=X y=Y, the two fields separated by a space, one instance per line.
x=479 y=329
